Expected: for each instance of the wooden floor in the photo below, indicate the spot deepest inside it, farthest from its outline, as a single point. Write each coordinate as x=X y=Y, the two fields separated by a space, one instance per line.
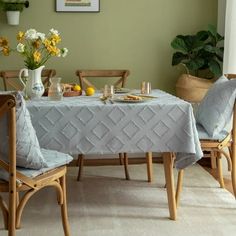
x=204 y=164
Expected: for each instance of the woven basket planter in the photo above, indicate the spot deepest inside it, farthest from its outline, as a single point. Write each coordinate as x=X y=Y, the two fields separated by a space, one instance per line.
x=191 y=88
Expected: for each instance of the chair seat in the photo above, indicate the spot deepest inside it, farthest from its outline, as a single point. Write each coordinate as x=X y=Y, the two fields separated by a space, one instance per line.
x=202 y=134
x=53 y=159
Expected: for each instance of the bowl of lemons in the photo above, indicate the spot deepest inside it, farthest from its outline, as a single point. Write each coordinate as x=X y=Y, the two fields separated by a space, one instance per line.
x=72 y=90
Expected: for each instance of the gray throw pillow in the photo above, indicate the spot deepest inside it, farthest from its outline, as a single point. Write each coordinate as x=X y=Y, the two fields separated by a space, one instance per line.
x=27 y=146
x=215 y=110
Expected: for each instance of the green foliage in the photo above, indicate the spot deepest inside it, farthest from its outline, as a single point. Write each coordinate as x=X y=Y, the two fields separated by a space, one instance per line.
x=14 y=5
x=199 y=52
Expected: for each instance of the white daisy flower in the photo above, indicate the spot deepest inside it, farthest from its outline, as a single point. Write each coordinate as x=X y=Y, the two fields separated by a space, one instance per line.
x=31 y=34
x=20 y=47
x=53 y=31
x=64 y=52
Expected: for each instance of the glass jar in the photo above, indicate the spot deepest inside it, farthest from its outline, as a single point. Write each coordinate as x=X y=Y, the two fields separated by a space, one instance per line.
x=55 y=91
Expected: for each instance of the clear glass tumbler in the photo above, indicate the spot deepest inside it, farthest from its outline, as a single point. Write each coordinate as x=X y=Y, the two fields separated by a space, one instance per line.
x=146 y=87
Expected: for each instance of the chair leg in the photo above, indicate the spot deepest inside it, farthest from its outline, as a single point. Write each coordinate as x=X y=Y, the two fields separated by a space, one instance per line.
x=121 y=158
x=233 y=171
x=64 y=214
x=213 y=160
x=81 y=165
x=149 y=166
x=126 y=163
x=12 y=213
x=220 y=172
x=4 y=209
x=179 y=186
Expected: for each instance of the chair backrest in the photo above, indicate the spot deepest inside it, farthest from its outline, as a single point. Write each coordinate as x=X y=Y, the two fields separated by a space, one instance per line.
x=11 y=78
x=83 y=74
x=8 y=106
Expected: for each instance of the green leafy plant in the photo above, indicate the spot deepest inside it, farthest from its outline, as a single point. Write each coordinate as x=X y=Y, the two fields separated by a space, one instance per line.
x=199 y=52
x=13 y=5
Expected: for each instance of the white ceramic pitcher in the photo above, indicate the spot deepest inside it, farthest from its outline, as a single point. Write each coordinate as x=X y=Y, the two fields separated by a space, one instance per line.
x=33 y=86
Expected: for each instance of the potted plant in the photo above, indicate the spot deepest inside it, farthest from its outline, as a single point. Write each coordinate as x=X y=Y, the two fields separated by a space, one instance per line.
x=201 y=55
x=13 y=9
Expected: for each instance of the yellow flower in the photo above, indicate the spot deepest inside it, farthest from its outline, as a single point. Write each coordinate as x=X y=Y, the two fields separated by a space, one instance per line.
x=3 y=42
x=47 y=43
x=55 y=39
x=53 y=50
x=6 y=51
x=37 y=56
x=20 y=36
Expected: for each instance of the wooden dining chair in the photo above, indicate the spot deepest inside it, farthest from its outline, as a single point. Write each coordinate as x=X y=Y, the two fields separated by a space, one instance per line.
x=96 y=74
x=218 y=149
x=11 y=78
x=84 y=83
x=21 y=180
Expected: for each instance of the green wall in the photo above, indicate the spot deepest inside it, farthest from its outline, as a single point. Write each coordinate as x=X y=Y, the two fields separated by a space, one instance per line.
x=132 y=34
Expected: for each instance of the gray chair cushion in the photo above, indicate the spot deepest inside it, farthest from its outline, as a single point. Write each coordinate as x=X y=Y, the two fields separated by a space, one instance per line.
x=53 y=160
x=215 y=110
x=27 y=146
x=202 y=134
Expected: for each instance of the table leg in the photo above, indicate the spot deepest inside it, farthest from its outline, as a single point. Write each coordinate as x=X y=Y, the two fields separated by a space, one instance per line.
x=170 y=188
x=149 y=166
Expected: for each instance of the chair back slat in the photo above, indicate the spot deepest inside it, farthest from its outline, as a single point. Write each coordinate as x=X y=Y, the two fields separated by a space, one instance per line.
x=84 y=74
x=11 y=78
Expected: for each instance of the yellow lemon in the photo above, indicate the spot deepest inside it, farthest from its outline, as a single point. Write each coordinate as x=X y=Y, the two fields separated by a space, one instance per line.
x=90 y=91
x=76 y=87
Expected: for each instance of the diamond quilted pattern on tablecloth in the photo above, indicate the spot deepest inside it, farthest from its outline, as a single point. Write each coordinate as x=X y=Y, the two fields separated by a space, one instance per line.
x=116 y=115
x=115 y=145
x=175 y=143
x=54 y=144
x=176 y=113
x=131 y=129
x=145 y=144
x=85 y=115
x=41 y=131
x=54 y=115
x=69 y=131
x=84 y=145
x=161 y=129
x=146 y=114
x=90 y=127
x=100 y=130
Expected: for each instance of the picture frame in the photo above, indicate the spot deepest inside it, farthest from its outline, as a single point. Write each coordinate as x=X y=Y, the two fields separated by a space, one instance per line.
x=77 y=5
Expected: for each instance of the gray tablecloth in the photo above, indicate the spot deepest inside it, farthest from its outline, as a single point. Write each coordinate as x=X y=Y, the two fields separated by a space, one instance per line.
x=85 y=125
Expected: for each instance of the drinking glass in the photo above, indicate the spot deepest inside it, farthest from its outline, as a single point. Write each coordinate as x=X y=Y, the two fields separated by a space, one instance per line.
x=108 y=91
x=145 y=87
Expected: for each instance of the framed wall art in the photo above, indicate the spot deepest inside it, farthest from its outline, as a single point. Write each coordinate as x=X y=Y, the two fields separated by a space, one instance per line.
x=77 y=5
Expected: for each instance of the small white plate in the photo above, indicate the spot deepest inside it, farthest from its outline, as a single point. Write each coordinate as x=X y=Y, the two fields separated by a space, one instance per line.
x=122 y=99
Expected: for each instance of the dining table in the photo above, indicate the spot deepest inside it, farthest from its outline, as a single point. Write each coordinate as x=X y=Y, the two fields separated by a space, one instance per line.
x=158 y=122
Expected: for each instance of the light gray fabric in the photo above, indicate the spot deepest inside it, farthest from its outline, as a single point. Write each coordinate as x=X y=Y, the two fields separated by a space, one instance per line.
x=86 y=125
x=27 y=146
x=52 y=159
x=202 y=134
x=215 y=111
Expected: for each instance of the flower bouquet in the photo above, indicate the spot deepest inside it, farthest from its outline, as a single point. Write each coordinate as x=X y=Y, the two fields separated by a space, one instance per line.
x=36 y=48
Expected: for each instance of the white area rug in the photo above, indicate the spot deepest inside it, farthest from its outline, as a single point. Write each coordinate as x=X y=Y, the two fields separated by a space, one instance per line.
x=104 y=204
